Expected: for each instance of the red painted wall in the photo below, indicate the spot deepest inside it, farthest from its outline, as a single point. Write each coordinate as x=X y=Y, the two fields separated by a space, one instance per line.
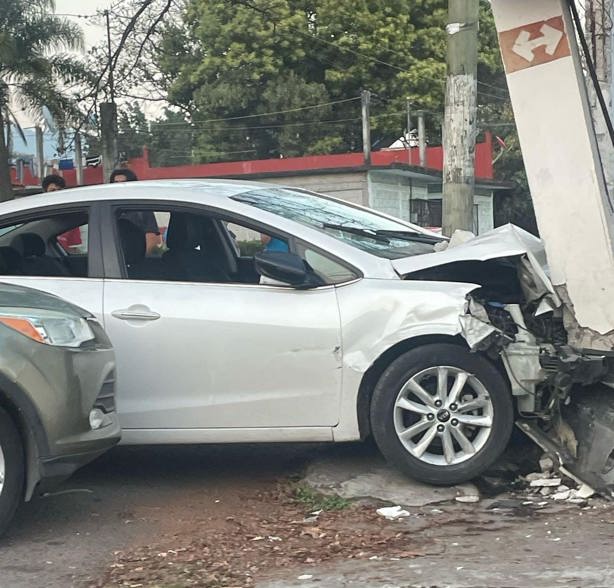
x=140 y=165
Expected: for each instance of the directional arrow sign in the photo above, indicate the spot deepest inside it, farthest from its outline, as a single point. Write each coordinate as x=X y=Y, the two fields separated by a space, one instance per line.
x=525 y=46
x=534 y=44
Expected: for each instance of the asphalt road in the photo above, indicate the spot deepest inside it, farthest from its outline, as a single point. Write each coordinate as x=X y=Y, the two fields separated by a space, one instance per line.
x=132 y=496
x=125 y=498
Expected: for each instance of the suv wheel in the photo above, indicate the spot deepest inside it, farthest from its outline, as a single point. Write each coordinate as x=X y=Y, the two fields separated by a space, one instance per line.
x=11 y=470
x=442 y=414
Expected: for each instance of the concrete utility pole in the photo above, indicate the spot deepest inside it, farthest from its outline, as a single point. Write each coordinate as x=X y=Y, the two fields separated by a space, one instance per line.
x=460 y=129
x=365 y=98
x=408 y=114
x=78 y=159
x=421 y=139
x=574 y=213
x=108 y=134
x=108 y=117
x=40 y=152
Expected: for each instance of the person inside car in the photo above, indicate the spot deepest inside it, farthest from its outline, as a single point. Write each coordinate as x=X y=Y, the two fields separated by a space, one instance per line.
x=145 y=220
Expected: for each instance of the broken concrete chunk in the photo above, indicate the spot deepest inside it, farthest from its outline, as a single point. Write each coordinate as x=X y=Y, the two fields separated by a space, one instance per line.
x=546 y=464
x=562 y=488
x=546 y=491
x=468 y=498
x=564 y=495
x=534 y=476
x=546 y=482
x=584 y=491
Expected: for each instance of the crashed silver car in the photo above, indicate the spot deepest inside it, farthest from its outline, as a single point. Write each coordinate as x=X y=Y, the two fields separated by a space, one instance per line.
x=246 y=312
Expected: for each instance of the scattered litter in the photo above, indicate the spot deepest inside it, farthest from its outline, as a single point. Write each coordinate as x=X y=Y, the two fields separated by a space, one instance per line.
x=273 y=538
x=392 y=512
x=436 y=510
x=305 y=577
x=259 y=538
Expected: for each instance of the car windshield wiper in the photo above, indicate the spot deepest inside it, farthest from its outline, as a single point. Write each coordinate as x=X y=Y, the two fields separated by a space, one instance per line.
x=411 y=236
x=369 y=233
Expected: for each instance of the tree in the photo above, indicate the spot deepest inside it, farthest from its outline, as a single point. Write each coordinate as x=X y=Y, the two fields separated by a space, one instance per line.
x=231 y=59
x=34 y=63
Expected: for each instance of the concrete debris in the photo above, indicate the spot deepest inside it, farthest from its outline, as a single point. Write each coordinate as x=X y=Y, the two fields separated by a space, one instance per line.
x=392 y=512
x=468 y=498
x=546 y=464
x=584 y=491
x=562 y=495
x=545 y=482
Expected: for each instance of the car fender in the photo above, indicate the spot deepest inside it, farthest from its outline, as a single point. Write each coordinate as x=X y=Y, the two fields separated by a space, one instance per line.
x=30 y=426
x=377 y=315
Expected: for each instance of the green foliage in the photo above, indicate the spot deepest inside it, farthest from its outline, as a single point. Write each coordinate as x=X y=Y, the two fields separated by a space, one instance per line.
x=133 y=131
x=33 y=64
x=314 y=500
x=235 y=58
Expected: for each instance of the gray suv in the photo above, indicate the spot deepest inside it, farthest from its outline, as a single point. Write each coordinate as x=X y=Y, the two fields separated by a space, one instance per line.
x=57 y=393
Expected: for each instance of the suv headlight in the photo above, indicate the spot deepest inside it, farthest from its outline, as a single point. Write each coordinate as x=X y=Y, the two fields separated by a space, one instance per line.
x=47 y=326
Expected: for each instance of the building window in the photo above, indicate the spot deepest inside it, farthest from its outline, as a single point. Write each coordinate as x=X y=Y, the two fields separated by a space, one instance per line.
x=426 y=213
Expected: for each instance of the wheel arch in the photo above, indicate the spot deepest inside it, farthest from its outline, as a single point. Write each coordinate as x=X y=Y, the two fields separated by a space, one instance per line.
x=30 y=427
x=377 y=368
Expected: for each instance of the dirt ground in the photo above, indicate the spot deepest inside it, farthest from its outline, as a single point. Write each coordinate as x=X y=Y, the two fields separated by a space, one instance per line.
x=238 y=516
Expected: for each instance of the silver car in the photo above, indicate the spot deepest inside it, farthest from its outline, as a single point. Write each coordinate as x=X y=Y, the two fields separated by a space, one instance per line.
x=246 y=312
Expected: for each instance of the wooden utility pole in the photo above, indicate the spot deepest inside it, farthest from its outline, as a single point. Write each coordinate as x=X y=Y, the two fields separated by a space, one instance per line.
x=365 y=97
x=460 y=129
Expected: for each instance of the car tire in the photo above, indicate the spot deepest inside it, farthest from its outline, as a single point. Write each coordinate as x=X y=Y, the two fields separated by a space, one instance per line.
x=12 y=462
x=442 y=414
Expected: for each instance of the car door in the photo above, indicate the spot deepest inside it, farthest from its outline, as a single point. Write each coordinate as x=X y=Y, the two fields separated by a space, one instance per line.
x=54 y=251
x=210 y=354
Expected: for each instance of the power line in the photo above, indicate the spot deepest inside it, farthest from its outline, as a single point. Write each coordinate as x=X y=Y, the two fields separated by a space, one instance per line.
x=498 y=88
x=298 y=109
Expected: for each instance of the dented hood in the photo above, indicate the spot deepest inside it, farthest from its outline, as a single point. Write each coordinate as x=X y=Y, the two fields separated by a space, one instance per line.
x=503 y=242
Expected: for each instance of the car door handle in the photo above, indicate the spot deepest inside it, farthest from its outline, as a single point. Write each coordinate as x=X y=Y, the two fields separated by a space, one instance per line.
x=128 y=314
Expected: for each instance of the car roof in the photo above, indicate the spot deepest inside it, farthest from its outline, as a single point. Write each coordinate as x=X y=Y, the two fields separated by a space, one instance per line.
x=210 y=191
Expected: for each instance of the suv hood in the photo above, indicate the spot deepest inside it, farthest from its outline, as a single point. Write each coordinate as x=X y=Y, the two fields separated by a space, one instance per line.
x=14 y=296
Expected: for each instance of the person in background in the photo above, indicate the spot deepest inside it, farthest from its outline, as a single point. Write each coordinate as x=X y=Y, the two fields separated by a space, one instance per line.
x=53 y=183
x=70 y=239
x=145 y=219
x=273 y=243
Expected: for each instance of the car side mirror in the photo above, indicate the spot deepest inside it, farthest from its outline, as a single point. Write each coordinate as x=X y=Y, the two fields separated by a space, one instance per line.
x=286 y=267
